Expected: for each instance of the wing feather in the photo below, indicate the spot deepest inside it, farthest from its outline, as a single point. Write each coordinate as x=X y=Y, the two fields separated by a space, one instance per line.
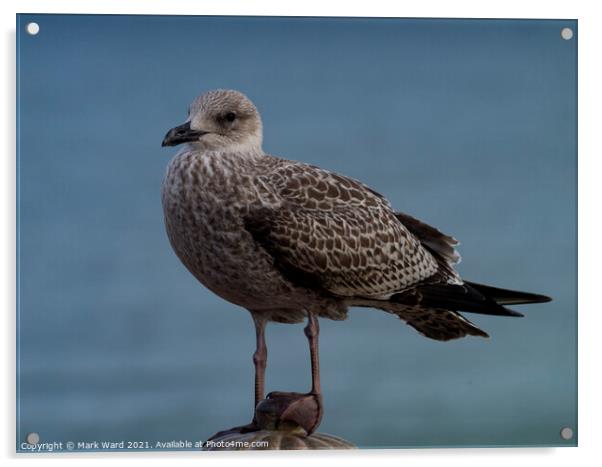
x=336 y=233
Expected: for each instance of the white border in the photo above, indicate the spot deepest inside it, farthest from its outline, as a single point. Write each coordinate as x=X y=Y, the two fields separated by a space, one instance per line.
x=590 y=152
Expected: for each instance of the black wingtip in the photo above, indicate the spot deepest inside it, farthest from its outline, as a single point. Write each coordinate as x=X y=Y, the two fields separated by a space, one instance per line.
x=542 y=299
x=456 y=297
x=508 y=297
x=513 y=313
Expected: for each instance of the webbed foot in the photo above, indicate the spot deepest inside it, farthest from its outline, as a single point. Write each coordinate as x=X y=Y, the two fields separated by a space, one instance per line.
x=280 y=410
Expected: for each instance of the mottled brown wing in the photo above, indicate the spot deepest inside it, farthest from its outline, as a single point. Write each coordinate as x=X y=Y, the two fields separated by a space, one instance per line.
x=334 y=232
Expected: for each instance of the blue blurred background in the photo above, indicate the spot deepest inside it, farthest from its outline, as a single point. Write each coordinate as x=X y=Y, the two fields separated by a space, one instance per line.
x=467 y=124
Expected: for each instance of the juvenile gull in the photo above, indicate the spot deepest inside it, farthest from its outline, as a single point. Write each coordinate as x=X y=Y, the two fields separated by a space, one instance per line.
x=289 y=241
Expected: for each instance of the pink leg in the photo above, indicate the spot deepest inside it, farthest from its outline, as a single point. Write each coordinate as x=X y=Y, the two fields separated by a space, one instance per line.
x=311 y=332
x=260 y=358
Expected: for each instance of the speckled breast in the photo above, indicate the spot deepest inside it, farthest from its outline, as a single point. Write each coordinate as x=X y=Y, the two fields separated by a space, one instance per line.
x=205 y=198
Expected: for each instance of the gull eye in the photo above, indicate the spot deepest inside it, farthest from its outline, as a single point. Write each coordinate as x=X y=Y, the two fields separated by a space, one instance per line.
x=230 y=116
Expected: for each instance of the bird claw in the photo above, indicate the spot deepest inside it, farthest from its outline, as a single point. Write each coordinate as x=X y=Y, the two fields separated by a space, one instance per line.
x=288 y=410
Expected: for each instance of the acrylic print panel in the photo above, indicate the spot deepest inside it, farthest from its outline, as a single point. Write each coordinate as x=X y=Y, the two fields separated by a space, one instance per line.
x=468 y=125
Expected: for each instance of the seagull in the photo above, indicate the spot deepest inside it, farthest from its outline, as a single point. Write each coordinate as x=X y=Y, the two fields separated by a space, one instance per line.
x=289 y=242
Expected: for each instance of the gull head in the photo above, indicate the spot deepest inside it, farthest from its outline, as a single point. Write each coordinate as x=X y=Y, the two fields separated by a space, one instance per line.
x=220 y=120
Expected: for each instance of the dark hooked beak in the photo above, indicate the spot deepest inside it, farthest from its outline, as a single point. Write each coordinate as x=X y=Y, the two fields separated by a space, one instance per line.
x=181 y=134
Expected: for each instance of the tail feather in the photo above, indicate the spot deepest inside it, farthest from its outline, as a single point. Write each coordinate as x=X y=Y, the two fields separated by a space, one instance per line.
x=433 y=310
x=437 y=324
